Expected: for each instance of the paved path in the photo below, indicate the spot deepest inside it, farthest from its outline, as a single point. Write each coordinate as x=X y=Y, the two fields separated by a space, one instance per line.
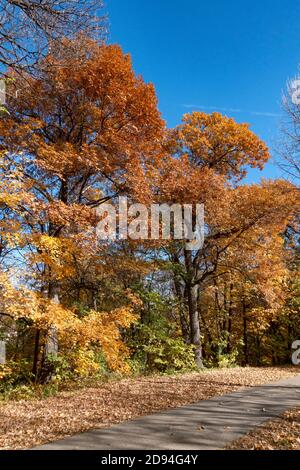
x=209 y=424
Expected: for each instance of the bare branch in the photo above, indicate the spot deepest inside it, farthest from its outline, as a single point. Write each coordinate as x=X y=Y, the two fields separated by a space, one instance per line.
x=28 y=28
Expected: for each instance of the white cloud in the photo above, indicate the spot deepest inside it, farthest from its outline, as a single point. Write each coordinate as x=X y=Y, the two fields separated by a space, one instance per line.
x=232 y=110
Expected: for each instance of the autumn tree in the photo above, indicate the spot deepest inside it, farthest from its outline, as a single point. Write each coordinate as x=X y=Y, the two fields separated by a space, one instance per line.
x=242 y=304
x=213 y=141
x=80 y=133
x=212 y=154
x=84 y=129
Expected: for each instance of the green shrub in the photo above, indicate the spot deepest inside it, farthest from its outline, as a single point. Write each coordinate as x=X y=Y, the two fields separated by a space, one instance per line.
x=156 y=342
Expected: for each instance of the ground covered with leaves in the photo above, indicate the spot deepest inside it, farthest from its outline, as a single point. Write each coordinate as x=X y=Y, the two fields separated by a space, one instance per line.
x=281 y=434
x=27 y=423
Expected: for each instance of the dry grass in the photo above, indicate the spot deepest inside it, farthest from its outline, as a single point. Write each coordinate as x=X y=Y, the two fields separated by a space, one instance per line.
x=25 y=424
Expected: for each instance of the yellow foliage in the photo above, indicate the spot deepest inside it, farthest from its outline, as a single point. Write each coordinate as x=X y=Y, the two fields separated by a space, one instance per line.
x=4 y=371
x=95 y=329
x=83 y=362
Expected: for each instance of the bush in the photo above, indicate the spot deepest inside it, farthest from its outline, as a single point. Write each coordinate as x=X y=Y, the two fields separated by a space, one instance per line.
x=155 y=341
x=15 y=373
x=15 y=380
x=219 y=357
x=166 y=354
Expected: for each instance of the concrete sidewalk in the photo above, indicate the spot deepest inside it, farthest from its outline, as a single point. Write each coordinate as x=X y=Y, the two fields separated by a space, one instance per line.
x=209 y=424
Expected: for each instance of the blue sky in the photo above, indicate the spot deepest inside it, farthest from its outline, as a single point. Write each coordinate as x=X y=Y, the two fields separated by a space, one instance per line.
x=233 y=56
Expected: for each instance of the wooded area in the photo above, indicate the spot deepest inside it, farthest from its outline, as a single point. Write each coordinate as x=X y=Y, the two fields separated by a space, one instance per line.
x=79 y=129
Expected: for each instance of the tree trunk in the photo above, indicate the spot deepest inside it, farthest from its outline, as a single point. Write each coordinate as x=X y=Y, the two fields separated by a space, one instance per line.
x=182 y=311
x=192 y=293
x=36 y=354
x=230 y=316
x=245 y=334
